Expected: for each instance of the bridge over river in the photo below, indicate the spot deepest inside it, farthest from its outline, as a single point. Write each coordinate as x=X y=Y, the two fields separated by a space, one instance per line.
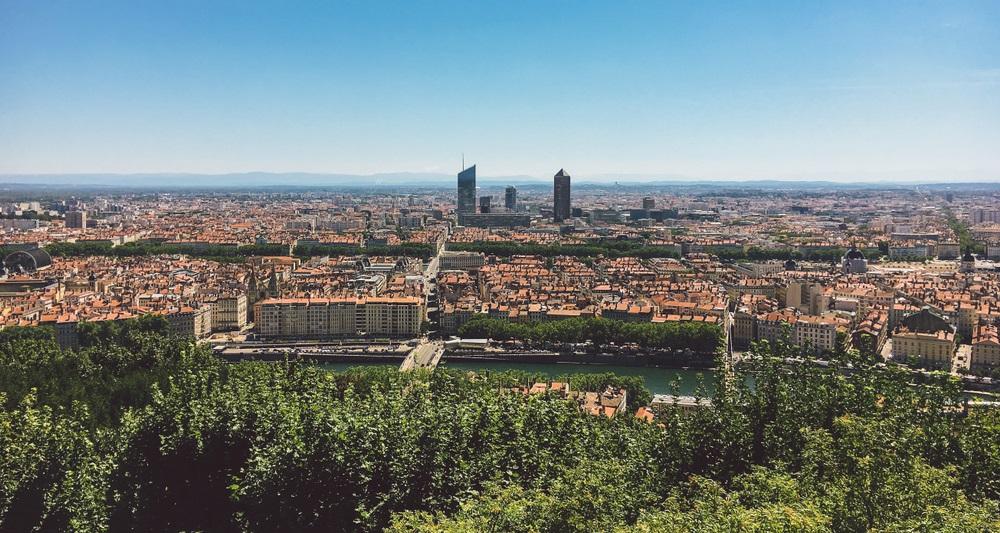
x=427 y=354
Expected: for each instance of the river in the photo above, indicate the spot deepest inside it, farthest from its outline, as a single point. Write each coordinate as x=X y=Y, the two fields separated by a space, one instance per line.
x=657 y=380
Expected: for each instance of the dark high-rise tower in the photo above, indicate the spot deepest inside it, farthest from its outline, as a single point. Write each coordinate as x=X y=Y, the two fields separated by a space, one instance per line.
x=467 y=191
x=484 y=204
x=561 y=207
x=510 y=198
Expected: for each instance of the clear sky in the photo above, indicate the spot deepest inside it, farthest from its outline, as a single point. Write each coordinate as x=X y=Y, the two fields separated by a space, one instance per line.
x=803 y=89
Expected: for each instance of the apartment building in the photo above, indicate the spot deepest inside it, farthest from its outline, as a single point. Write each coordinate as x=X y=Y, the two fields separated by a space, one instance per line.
x=190 y=321
x=927 y=337
x=985 y=348
x=807 y=297
x=395 y=317
x=340 y=317
x=744 y=328
x=982 y=215
x=229 y=312
x=76 y=219
x=816 y=333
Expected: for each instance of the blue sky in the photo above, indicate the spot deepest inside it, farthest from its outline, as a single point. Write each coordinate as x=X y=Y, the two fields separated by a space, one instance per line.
x=705 y=90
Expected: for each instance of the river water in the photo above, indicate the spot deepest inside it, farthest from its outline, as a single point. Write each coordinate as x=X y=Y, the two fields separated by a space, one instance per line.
x=658 y=380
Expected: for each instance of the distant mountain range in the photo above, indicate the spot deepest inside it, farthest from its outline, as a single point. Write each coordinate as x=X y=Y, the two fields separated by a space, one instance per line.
x=416 y=180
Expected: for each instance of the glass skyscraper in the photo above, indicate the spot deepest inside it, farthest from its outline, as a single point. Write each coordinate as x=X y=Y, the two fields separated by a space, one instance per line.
x=467 y=191
x=510 y=198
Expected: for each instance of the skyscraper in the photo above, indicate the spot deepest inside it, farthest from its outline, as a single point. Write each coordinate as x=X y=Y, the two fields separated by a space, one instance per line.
x=484 y=204
x=510 y=198
x=76 y=219
x=467 y=192
x=561 y=208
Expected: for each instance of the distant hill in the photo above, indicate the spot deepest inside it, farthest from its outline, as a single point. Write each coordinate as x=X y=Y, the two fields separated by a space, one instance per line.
x=411 y=180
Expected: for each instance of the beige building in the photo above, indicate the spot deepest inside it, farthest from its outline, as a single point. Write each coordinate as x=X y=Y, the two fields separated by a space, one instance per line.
x=744 y=328
x=927 y=337
x=395 y=317
x=985 y=348
x=340 y=317
x=190 y=321
x=462 y=260
x=229 y=312
x=816 y=332
x=807 y=297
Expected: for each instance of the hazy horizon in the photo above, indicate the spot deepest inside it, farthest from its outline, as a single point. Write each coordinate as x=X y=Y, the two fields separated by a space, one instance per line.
x=417 y=179
x=836 y=91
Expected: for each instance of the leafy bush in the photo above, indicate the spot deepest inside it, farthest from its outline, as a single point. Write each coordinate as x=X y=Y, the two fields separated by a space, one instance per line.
x=291 y=447
x=698 y=336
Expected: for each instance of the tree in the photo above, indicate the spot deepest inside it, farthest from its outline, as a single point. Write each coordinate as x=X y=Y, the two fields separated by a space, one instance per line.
x=195 y=444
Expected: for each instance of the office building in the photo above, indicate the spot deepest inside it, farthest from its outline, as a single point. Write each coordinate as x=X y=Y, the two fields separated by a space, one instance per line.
x=561 y=205
x=76 y=219
x=484 y=204
x=648 y=203
x=510 y=198
x=467 y=192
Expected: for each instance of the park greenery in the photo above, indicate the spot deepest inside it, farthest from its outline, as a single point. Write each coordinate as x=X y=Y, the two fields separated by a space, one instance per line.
x=607 y=249
x=754 y=253
x=143 y=249
x=615 y=249
x=407 y=249
x=700 y=337
x=201 y=445
x=965 y=240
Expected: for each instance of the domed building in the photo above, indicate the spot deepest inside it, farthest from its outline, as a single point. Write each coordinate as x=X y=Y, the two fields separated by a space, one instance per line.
x=791 y=265
x=27 y=261
x=854 y=261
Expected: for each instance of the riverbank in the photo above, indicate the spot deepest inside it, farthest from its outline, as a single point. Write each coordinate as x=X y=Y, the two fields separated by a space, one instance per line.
x=658 y=380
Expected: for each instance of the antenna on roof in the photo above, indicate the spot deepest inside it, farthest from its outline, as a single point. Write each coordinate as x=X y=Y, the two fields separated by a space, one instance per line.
x=463 y=160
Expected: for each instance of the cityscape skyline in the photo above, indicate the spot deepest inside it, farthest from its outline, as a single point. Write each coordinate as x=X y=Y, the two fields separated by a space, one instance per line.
x=469 y=266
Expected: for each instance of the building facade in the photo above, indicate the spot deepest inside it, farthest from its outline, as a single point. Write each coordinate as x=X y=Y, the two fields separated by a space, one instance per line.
x=462 y=260
x=466 y=192
x=561 y=208
x=510 y=198
x=230 y=312
x=985 y=348
x=340 y=317
x=927 y=337
x=76 y=219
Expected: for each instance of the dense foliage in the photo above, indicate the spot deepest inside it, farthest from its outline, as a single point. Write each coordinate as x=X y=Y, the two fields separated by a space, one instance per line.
x=606 y=249
x=290 y=447
x=143 y=249
x=965 y=240
x=407 y=249
x=698 y=336
x=114 y=369
x=615 y=249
